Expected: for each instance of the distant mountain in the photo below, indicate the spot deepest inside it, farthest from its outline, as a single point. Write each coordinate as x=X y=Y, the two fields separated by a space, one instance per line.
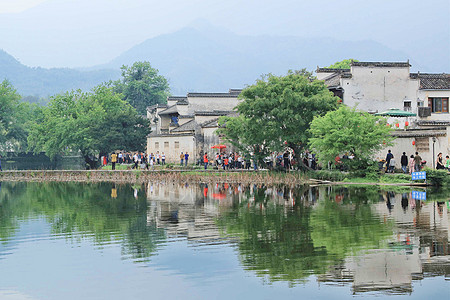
x=203 y=58
x=45 y=82
x=206 y=59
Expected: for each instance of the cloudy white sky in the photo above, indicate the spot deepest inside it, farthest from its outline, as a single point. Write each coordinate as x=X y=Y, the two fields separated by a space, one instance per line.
x=77 y=33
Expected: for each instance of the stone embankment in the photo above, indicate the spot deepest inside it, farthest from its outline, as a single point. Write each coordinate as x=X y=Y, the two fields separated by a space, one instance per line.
x=140 y=176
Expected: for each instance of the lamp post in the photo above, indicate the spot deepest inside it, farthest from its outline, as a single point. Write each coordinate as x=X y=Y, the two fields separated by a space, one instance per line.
x=434 y=141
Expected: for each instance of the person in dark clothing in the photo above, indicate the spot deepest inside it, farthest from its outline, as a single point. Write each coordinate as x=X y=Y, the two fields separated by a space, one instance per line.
x=417 y=162
x=286 y=161
x=389 y=156
x=404 y=162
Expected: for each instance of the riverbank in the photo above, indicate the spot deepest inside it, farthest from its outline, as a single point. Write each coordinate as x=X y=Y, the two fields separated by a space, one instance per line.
x=209 y=176
x=141 y=176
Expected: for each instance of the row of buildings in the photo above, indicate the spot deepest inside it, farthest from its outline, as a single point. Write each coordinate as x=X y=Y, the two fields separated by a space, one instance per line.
x=189 y=123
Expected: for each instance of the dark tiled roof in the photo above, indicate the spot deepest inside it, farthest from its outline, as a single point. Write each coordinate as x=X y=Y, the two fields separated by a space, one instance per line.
x=172 y=134
x=188 y=126
x=432 y=81
x=330 y=70
x=213 y=95
x=153 y=107
x=182 y=102
x=333 y=80
x=235 y=91
x=176 y=98
x=185 y=116
x=170 y=110
x=211 y=124
x=379 y=64
x=433 y=123
x=213 y=113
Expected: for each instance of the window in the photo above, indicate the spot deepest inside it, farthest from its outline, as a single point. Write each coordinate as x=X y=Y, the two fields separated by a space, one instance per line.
x=407 y=105
x=438 y=105
x=156 y=145
x=177 y=145
x=166 y=144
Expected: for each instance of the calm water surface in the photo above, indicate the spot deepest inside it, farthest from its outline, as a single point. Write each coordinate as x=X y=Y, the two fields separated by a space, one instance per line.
x=227 y=241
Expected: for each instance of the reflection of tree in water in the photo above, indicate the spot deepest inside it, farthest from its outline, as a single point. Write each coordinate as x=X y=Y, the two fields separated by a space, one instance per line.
x=83 y=211
x=290 y=244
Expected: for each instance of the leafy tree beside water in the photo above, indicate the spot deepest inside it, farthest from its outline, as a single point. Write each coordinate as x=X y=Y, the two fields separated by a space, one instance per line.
x=351 y=131
x=92 y=123
x=142 y=86
x=15 y=117
x=276 y=112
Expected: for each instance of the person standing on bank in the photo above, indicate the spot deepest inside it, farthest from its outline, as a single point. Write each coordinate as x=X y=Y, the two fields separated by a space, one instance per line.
x=113 y=160
x=417 y=162
x=181 y=158
x=186 y=157
x=389 y=156
x=411 y=164
x=439 y=162
x=205 y=160
x=404 y=162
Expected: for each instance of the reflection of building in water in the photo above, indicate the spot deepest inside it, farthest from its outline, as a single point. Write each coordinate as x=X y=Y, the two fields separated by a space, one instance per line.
x=185 y=211
x=419 y=245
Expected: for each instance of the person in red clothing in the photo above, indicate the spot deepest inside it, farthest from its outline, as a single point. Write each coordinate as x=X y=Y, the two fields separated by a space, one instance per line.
x=205 y=160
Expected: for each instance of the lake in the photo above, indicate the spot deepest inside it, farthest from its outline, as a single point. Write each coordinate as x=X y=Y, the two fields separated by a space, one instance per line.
x=222 y=241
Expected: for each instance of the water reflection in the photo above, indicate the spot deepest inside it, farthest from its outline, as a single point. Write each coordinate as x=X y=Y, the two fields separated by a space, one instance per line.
x=367 y=238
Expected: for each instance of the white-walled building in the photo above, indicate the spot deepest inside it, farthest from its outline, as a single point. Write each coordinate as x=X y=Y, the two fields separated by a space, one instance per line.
x=188 y=124
x=379 y=86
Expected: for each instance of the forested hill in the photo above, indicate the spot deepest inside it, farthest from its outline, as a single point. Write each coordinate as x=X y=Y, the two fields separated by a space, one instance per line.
x=205 y=58
x=46 y=82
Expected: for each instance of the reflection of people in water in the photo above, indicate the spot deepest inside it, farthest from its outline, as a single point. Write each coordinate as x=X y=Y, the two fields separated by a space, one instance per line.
x=205 y=191
x=440 y=207
x=404 y=201
x=114 y=191
x=389 y=197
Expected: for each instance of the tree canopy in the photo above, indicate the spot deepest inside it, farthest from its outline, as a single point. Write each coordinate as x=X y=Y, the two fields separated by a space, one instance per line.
x=142 y=86
x=92 y=123
x=14 y=119
x=276 y=112
x=343 y=64
x=349 y=130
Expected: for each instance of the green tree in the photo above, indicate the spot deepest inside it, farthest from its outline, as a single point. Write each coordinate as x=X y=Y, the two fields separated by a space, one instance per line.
x=344 y=64
x=352 y=131
x=276 y=112
x=14 y=119
x=91 y=123
x=142 y=86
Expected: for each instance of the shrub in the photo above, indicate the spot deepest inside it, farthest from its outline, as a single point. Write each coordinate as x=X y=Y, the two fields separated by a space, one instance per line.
x=437 y=177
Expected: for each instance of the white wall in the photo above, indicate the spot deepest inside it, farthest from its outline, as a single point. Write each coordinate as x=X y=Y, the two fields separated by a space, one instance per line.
x=212 y=103
x=186 y=143
x=379 y=89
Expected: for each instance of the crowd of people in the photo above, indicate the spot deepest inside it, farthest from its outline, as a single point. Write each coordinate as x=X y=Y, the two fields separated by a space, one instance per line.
x=414 y=163
x=281 y=160
x=137 y=159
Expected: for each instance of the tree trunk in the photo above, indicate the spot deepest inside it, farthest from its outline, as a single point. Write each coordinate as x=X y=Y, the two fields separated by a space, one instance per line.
x=90 y=163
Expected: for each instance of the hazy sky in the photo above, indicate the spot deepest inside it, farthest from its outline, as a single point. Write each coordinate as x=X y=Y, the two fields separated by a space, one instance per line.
x=77 y=33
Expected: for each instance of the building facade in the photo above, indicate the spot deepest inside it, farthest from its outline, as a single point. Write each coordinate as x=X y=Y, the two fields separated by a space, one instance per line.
x=379 y=86
x=188 y=124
